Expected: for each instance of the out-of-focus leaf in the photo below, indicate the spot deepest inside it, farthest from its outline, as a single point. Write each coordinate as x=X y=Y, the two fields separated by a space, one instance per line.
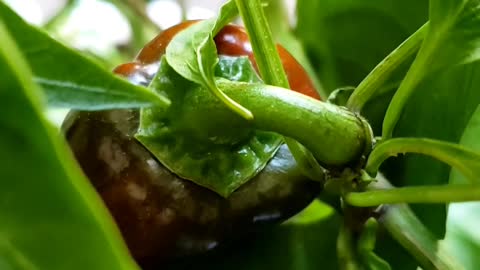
x=346 y=39
x=453 y=38
x=70 y=79
x=50 y=216
x=463 y=237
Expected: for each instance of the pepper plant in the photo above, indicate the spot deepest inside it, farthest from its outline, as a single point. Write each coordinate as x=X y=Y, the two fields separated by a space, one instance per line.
x=410 y=68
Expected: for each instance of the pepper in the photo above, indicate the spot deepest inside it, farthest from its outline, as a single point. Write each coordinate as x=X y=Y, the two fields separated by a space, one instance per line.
x=162 y=216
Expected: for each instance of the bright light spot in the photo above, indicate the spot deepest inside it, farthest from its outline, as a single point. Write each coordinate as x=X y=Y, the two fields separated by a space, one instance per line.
x=97 y=26
x=29 y=10
x=56 y=116
x=164 y=13
x=196 y=13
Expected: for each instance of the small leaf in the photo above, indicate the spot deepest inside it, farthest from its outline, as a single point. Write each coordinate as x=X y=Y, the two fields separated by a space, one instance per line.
x=192 y=54
x=453 y=38
x=463 y=159
x=50 y=216
x=68 y=78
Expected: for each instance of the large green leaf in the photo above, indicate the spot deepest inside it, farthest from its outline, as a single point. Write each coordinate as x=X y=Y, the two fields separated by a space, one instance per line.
x=346 y=39
x=50 y=217
x=440 y=112
x=463 y=237
x=453 y=38
x=70 y=79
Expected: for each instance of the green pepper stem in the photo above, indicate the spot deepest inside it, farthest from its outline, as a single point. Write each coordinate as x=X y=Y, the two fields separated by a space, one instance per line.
x=272 y=72
x=334 y=135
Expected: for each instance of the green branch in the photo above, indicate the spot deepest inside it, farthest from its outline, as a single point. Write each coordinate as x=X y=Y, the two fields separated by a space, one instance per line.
x=424 y=194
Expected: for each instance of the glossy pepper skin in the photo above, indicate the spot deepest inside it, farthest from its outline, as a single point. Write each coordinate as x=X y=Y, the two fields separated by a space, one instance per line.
x=160 y=215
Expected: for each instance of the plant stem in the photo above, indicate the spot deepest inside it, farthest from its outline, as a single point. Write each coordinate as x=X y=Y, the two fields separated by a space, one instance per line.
x=264 y=49
x=411 y=233
x=272 y=72
x=383 y=71
x=282 y=32
x=423 y=194
x=345 y=250
x=340 y=141
x=404 y=226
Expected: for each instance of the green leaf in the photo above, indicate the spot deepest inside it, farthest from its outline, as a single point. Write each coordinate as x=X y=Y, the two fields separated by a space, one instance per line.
x=69 y=79
x=469 y=139
x=375 y=81
x=453 y=38
x=462 y=238
x=291 y=246
x=192 y=54
x=218 y=162
x=346 y=39
x=461 y=158
x=440 y=113
x=51 y=217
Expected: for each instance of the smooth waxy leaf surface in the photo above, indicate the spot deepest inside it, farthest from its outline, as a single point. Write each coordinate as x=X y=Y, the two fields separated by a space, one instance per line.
x=50 y=216
x=440 y=110
x=70 y=79
x=462 y=238
x=346 y=39
x=453 y=38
